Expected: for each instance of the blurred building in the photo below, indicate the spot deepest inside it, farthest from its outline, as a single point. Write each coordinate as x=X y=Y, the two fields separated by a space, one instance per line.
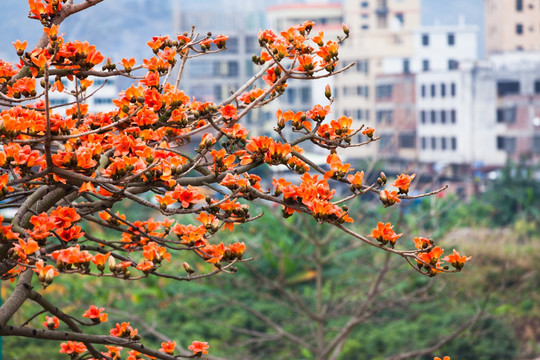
x=512 y=25
x=379 y=29
x=301 y=95
x=214 y=77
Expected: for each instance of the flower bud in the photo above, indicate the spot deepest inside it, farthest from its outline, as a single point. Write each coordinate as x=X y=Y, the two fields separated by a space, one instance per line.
x=328 y=92
x=188 y=268
x=345 y=29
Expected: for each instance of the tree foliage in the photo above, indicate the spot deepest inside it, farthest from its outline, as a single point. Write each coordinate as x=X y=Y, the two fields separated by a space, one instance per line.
x=65 y=169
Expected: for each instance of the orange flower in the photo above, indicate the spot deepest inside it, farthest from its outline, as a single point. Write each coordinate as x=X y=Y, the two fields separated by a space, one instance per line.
x=237 y=250
x=128 y=64
x=385 y=234
x=45 y=272
x=444 y=358
x=337 y=169
x=20 y=47
x=168 y=347
x=220 y=41
x=403 y=182
x=228 y=112
x=100 y=260
x=356 y=179
x=51 y=322
x=368 y=132
x=96 y=314
x=64 y=217
x=124 y=330
x=422 y=243
x=430 y=258
x=306 y=63
x=72 y=347
x=389 y=198
x=456 y=260
x=199 y=347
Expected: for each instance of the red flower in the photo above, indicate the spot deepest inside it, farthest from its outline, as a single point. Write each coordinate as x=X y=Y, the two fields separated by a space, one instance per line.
x=72 y=347
x=199 y=347
x=168 y=347
x=51 y=322
x=229 y=112
x=96 y=314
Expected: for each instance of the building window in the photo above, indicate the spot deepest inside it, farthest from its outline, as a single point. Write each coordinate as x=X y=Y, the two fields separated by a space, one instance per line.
x=423 y=90
x=443 y=143
x=425 y=39
x=384 y=91
x=519 y=5
x=425 y=65
x=453 y=89
x=291 y=95
x=443 y=90
x=364 y=4
x=536 y=144
x=537 y=87
x=407 y=141
x=506 y=115
x=406 y=66
x=453 y=116
x=365 y=27
x=433 y=116
x=384 y=115
x=400 y=17
x=367 y=115
x=423 y=116
x=366 y=92
x=359 y=113
x=507 y=87
x=305 y=94
x=443 y=117
x=359 y=90
x=453 y=64
x=506 y=143
x=433 y=90
x=434 y=143
x=453 y=143
x=232 y=45
x=519 y=29
x=451 y=39
x=423 y=142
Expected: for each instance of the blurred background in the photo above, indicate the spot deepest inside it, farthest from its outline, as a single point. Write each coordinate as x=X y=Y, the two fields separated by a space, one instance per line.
x=452 y=87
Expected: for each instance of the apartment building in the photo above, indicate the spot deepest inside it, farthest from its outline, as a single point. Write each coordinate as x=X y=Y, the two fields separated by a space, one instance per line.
x=379 y=29
x=512 y=25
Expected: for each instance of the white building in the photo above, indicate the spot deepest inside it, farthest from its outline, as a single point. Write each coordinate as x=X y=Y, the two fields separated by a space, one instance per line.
x=442 y=63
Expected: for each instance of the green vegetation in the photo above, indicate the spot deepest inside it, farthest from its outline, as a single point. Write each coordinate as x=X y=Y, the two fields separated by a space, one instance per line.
x=245 y=315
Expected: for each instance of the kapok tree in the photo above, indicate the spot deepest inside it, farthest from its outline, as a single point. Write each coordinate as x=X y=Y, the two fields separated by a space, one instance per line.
x=64 y=168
